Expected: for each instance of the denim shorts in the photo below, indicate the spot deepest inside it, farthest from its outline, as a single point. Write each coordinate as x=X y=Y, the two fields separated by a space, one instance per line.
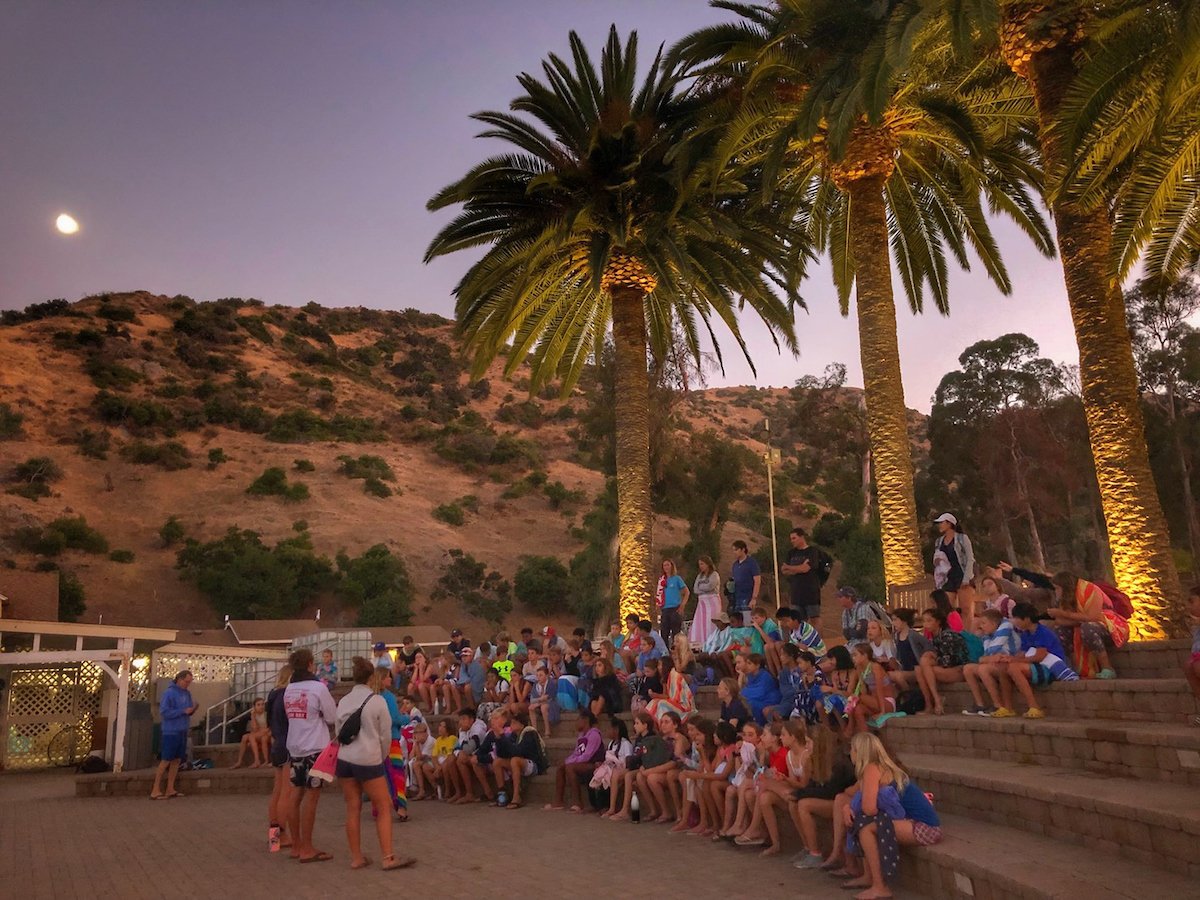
x=173 y=747
x=359 y=773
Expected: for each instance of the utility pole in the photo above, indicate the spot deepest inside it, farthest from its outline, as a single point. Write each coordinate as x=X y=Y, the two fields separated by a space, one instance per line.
x=769 y=458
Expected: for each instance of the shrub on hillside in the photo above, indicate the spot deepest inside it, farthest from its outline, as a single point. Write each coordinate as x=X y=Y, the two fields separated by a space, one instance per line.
x=94 y=444
x=62 y=534
x=169 y=455
x=222 y=409
x=257 y=327
x=72 y=602
x=543 y=584
x=121 y=556
x=107 y=373
x=450 y=513
x=246 y=579
x=34 y=311
x=527 y=414
x=10 y=423
x=122 y=409
x=303 y=465
x=483 y=594
x=116 y=313
x=560 y=497
x=216 y=456
x=378 y=584
x=273 y=483
x=376 y=488
x=33 y=477
x=172 y=531
x=296 y=426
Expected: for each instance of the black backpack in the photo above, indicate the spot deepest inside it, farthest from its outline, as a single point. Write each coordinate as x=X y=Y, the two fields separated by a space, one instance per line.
x=910 y=702
x=353 y=725
x=824 y=566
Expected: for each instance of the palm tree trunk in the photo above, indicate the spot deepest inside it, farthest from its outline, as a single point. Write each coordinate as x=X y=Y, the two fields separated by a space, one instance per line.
x=634 y=516
x=887 y=416
x=1143 y=566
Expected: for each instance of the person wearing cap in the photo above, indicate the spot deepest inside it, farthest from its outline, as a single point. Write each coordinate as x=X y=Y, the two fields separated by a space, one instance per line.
x=716 y=644
x=953 y=558
x=856 y=613
x=550 y=640
x=458 y=643
x=382 y=659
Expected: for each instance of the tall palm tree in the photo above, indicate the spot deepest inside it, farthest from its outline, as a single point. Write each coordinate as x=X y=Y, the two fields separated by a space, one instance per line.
x=1044 y=42
x=610 y=209
x=897 y=162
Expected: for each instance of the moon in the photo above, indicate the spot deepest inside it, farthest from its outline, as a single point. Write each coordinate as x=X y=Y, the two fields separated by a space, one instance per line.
x=66 y=224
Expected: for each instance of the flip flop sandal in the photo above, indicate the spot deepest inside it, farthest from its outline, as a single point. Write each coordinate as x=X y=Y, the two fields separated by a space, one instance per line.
x=173 y=795
x=394 y=863
x=362 y=865
x=320 y=857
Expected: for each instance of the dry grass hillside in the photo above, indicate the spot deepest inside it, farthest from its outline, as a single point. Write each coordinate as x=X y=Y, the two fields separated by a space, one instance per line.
x=150 y=407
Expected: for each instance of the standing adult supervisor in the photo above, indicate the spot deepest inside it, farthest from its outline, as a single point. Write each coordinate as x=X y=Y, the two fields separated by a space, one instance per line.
x=707 y=588
x=747 y=577
x=808 y=569
x=175 y=709
x=673 y=593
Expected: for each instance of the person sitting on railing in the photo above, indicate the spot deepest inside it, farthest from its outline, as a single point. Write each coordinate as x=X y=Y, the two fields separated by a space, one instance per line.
x=257 y=736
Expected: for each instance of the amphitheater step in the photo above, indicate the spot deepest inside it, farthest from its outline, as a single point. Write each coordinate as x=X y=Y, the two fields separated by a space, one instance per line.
x=204 y=781
x=1126 y=699
x=1152 y=659
x=993 y=862
x=1154 y=751
x=1151 y=823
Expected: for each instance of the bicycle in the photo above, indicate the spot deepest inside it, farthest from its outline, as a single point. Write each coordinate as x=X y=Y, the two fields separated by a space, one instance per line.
x=63 y=749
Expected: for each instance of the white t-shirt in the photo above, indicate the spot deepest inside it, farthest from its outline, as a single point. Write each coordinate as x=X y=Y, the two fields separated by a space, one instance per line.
x=477 y=731
x=310 y=712
x=426 y=749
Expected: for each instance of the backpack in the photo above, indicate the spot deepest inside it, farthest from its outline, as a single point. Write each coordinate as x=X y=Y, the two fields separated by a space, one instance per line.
x=531 y=741
x=824 y=566
x=1121 y=604
x=910 y=702
x=93 y=765
x=352 y=726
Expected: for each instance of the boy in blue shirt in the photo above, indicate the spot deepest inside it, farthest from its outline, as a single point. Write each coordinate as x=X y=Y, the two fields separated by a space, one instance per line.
x=1043 y=663
x=1001 y=645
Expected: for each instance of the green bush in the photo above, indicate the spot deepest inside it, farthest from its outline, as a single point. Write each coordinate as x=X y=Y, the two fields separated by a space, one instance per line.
x=303 y=465
x=10 y=423
x=560 y=497
x=169 y=455
x=121 y=556
x=107 y=373
x=378 y=584
x=483 y=594
x=296 y=426
x=543 y=584
x=861 y=556
x=366 y=467
x=245 y=579
x=172 y=531
x=527 y=414
x=115 y=313
x=376 y=488
x=129 y=411
x=221 y=409
x=273 y=483
x=257 y=327
x=450 y=513
x=216 y=456
x=65 y=533
x=32 y=490
x=72 y=603
x=94 y=444
x=33 y=477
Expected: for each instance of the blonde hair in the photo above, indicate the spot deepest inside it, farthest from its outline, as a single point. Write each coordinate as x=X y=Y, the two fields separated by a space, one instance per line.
x=377 y=678
x=681 y=653
x=869 y=750
x=284 y=677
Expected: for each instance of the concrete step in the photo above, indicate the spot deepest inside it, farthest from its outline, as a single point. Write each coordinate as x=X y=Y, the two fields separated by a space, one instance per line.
x=205 y=781
x=1152 y=659
x=1155 y=751
x=1153 y=824
x=992 y=862
x=1126 y=699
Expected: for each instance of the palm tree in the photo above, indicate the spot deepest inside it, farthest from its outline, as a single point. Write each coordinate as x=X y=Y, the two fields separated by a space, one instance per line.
x=610 y=209
x=894 y=163
x=1044 y=41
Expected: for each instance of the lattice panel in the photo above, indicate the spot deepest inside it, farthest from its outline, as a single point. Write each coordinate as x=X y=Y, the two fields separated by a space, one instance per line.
x=139 y=681
x=42 y=702
x=203 y=668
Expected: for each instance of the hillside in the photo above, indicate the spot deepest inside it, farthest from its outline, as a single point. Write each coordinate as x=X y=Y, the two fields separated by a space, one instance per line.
x=150 y=407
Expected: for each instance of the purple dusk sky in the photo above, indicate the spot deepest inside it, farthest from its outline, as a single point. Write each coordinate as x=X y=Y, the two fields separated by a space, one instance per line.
x=285 y=151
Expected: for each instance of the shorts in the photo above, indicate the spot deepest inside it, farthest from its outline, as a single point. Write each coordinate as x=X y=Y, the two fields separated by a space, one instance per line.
x=926 y=835
x=809 y=611
x=1195 y=658
x=173 y=747
x=302 y=771
x=1039 y=675
x=528 y=769
x=279 y=754
x=359 y=773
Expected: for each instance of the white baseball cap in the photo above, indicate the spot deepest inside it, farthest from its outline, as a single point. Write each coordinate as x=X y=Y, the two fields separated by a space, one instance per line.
x=946 y=517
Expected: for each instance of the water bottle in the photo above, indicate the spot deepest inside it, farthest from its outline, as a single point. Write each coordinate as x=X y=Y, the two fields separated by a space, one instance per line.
x=502 y=798
x=439 y=792
x=635 y=809
x=273 y=838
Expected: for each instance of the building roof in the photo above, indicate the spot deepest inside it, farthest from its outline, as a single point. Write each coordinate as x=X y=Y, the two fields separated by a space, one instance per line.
x=270 y=631
x=425 y=635
x=207 y=637
x=81 y=629
x=29 y=595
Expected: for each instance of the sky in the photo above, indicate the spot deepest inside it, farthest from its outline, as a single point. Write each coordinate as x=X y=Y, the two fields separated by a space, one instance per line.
x=285 y=150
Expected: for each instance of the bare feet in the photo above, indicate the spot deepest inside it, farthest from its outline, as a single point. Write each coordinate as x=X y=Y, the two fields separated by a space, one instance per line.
x=618 y=817
x=773 y=850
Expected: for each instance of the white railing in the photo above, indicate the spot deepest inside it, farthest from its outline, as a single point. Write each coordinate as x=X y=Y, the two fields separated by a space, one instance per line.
x=226 y=719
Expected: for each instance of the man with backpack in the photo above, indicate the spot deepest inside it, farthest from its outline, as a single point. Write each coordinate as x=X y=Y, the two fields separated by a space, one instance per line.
x=857 y=612
x=808 y=569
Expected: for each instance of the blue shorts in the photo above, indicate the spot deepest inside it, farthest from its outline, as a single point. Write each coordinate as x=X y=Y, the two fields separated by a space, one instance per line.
x=359 y=773
x=173 y=746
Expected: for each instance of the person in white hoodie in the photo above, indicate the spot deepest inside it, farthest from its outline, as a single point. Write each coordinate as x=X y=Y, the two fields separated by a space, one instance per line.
x=360 y=766
x=310 y=713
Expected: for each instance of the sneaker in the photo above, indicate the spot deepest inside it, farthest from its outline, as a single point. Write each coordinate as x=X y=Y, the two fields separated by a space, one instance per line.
x=1195 y=720
x=1035 y=713
x=808 y=861
x=973 y=711
x=1003 y=713
x=988 y=711
x=1106 y=674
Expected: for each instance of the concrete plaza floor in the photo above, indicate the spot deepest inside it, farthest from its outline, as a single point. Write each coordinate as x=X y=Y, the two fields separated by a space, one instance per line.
x=54 y=845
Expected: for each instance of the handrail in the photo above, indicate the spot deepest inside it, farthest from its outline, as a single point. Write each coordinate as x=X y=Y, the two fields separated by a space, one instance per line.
x=222 y=703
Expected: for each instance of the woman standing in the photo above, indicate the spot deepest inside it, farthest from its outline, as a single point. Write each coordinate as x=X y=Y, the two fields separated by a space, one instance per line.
x=277 y=721
x=954 y=564
x=678 y=696
x=360 y=766
x=396 y=764
x=707 y=588
x=673 y=595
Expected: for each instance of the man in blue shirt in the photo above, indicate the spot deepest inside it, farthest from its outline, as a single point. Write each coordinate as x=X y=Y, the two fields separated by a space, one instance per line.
x=747 y=577
x=175 y=709
x=1043 y=663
